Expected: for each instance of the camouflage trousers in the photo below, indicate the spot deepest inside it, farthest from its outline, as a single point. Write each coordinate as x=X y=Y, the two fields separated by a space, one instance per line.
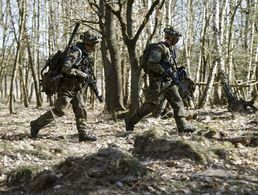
x=60 y=108
x=156 y=92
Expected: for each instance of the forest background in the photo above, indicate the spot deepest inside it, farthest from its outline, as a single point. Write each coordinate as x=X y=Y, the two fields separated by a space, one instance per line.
x=219 y=47
x=219 y=41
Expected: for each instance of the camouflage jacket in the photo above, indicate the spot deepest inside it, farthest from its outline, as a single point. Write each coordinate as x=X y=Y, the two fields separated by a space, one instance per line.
x=74 y=68
x=161 y=52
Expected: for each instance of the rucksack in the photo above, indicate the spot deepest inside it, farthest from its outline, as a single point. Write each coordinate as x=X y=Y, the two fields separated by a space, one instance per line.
x=144 y=57
x=51 y=79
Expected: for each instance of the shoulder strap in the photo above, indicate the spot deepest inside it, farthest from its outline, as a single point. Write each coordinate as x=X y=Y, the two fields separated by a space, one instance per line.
x=80 y=54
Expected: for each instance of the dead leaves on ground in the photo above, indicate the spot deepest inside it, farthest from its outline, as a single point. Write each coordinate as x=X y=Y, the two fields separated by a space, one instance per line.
x=221 y=156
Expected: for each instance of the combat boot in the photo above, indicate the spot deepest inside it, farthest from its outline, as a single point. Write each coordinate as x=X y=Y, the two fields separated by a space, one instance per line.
x=83 y=136
x=84 y=133
x=182 y=125
x=134 y=118
x=129 y=125
x=39 y=123
x=34 y=129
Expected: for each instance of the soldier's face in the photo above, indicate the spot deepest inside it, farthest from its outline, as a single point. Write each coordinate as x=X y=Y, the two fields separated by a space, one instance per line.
x=174 y=40
x=90 y=48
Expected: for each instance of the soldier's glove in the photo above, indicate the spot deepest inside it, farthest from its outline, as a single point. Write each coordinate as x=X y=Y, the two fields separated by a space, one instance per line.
x=82 y=75
x=79 y=74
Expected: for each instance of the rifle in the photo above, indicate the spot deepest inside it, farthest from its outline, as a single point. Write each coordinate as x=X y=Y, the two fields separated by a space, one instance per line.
x=91 y=80
x=77 y=24
x=58 y=58
x=175 y=77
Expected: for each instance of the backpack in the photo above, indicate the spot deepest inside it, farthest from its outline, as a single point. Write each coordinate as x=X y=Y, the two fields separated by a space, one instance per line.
x=144 y=57
x=51 y=79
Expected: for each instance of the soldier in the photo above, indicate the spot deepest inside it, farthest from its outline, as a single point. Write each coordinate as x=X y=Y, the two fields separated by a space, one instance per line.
x=163 y=109
x=72 y=87
x=161 y=85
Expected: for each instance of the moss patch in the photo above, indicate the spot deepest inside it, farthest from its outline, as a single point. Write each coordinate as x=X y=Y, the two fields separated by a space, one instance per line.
x=158 y=145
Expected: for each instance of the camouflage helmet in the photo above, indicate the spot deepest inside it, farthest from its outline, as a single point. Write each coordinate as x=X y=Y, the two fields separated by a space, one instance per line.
x=91 y=37
x=171 y=32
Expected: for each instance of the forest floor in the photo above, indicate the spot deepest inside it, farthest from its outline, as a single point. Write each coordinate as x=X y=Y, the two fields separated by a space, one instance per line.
x=220 y=158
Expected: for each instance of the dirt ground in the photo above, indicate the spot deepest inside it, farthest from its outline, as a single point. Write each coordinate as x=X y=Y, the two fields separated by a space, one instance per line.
x=220 y=158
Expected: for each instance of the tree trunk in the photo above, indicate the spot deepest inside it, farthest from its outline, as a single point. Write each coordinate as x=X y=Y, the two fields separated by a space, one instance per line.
x=34 y=75
x=202 y=53
x=106 y=61
x=230 y=36
x=135 y=78
x=130 y=42
x=116 y=92
x=205 y=98
x=22 y=14
x=34 y=49
x=256 y=68
x=24 y=89
x=189 y=35
x=252 y=46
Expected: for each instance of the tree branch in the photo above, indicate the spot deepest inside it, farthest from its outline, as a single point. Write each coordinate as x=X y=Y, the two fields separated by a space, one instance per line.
x=146 y=19
x=120 y=19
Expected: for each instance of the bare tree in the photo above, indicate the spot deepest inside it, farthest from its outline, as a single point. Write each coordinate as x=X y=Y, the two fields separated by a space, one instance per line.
x=111 y=60
x=220 y=45
x=130 y=39
x=22 y=13
x=33 y=71
x=251 y=65
x=189 y=35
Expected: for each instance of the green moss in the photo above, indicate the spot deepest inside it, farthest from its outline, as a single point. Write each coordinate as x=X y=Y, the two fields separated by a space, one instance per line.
x=129 y=163
x=44 y=154
x=156 y=144
x=207 y=131
x=20 y=175
x=221 y=150
x=155 y=133
x=228 y=145
x=210 y=133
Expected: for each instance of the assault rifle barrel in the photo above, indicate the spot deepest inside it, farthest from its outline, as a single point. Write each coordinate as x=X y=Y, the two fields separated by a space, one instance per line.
x=72 y=36
x=174 y=76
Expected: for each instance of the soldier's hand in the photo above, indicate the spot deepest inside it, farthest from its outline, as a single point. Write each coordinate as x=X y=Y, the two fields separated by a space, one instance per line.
x=79 y=74
x=84 y=75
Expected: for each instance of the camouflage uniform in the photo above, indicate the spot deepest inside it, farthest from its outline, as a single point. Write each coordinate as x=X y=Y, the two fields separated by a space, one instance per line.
x=160 y=87
x=71 y=90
